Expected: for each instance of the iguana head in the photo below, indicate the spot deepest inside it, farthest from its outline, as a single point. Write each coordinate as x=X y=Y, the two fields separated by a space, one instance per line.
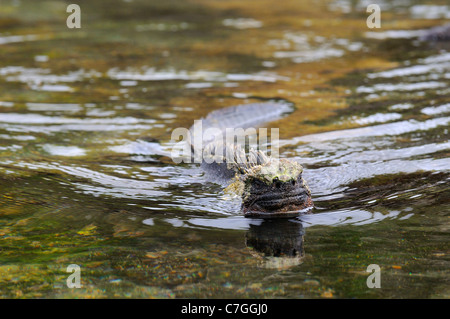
x=275 y=188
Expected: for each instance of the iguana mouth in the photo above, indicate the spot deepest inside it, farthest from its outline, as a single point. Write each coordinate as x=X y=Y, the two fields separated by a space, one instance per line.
x=279 y=207
x=287 y=201
x=278 y=201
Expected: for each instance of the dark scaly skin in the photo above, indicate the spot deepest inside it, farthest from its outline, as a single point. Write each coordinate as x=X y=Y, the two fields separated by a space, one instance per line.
x=269 y=187
x=438 y=34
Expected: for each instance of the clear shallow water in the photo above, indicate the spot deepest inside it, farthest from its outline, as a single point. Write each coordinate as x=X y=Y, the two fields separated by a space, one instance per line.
x=86 y=121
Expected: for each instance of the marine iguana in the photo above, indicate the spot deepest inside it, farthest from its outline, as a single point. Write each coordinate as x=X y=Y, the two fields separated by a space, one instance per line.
x=269 y=186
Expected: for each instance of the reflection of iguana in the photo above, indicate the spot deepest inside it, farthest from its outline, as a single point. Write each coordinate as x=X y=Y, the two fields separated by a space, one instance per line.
x=269 y=187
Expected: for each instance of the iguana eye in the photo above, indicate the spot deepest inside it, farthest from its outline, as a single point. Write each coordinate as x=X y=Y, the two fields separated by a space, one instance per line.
x=258 y=183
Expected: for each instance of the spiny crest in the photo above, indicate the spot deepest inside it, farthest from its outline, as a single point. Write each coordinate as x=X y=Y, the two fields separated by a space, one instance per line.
x=234 y=156
x=282 y=170
x=244 y=162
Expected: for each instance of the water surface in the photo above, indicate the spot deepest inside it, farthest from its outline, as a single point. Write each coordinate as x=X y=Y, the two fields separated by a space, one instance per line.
x=86 y=118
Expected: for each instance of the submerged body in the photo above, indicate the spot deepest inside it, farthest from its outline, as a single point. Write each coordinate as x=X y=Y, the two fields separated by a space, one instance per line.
x=438 y=34
x=268 y=186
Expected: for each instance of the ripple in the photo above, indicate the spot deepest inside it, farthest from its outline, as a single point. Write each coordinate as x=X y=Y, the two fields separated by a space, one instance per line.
x=430 y=12
x=435 y=64
x=303 y=56
x=53 y=107
x=413 y=70
x=162 y=27
x=395 y=34
x=377 y=118
x=6 y=104
x=47 y=124
x=346 y=217
x=43 y=80
x=392 y=87
x=59 y=150
x=354 y=154
x=301 y=48
x=233 y=222
x=17 y=137
x=18 y=38
x=334 y=180
x=198 y=85
x=336 y=218
x=401 y=106
x=152 y=74
x=395 y=128
x=51 y=87
x=442 y=109
x=242 y=23
x=101 y=183
x=141 y=148
x=51 y=128
x=42 y=119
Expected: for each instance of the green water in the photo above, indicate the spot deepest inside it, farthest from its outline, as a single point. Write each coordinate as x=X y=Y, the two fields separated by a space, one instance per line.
x=78 y=185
